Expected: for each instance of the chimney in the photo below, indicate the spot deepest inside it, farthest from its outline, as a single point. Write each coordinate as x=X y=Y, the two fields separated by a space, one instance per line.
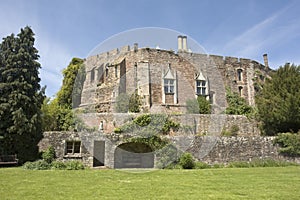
x=184 y=43
x=135 y=47
x=179 y=43
x=266 y=60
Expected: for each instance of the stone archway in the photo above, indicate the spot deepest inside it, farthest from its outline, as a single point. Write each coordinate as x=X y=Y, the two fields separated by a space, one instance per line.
x=133 y=155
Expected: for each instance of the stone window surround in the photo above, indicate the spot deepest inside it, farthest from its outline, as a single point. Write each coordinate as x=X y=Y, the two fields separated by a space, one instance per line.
x=73 y=148
x=169 y=85
x=239 y=74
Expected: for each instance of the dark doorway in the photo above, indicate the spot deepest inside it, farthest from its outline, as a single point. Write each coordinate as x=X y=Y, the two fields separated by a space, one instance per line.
x=99 y=153
x=134 y=155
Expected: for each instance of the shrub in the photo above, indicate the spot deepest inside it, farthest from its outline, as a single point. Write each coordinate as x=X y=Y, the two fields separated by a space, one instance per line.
x=58 y=165
x=289 y=143
x=201 y=165
x=49 y=154
x=187 y=161
x=37 y=165
x=134 y=102
x=74 y=165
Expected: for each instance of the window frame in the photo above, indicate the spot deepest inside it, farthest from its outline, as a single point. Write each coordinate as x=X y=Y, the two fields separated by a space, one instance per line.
x=202 y=87
x=169 y=85
x=73 y=147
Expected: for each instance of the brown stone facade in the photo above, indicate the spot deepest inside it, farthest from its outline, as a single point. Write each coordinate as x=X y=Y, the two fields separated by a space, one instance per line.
x=148 y=70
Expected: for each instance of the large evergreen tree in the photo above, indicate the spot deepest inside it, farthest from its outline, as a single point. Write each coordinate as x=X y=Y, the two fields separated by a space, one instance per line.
x=279 y=101
x=21 y=96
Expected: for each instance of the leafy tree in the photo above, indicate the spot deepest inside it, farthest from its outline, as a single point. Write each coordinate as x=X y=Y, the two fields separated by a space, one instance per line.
x=134 y=102
x=279 y=101
x=199 y=105
x=64 y=95
x=57 y=113
x=21 y=96
x=204 y=105
x=237 y=105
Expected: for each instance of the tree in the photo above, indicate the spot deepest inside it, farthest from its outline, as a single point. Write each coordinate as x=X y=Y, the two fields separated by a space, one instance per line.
x=57 y=113
x=21 y=96
x=204 y=105
x=65 y=94
x=279 y=101
x=237 y=105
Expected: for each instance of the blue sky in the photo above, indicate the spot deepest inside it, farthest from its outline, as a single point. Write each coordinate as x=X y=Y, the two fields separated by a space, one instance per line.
x=72 y=28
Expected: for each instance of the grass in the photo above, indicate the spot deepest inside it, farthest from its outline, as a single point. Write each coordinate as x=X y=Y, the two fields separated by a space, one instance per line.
x=223 y=183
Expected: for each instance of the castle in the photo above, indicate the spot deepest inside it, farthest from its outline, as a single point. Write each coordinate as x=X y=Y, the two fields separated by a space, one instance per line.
x=165 y=79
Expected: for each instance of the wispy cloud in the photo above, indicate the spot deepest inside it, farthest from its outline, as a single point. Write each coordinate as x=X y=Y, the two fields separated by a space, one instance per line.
x=261 y=36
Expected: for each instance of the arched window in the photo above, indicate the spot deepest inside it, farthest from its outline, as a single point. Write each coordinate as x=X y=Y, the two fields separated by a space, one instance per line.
x=240 y=90
x=240 y=74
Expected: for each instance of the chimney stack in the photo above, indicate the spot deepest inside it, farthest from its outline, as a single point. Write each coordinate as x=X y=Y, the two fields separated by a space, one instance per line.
x=266 y=60
x=135 y=47
x=179 y=43
x=184 y=43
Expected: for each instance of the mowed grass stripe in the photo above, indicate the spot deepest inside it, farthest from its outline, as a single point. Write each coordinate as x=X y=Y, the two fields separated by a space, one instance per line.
x=224 y=183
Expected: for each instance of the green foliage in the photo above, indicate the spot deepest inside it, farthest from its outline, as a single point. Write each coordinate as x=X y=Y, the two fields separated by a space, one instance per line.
x=49 y=154
x=233 y=131
x=201 y=105
x=134 y=102
x=74 y=165
x=37 y=165
x=278 y=102
x=260 y=163
x=187 y=161
x=57 y=165
x=237 y=105
x=204 y=105
x=289 y=142
x=150 y=124
x=21 y=96
x=201 y=165
x=56 y=117
x=64 y=95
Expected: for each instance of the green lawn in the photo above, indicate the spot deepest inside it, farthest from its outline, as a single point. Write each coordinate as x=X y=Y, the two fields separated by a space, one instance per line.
x=227 y=183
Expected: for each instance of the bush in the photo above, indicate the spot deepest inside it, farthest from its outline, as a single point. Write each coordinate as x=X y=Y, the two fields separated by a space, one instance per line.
x=74 y=165
x=37 y=165
x=58 y=165
x=187 y=161
x=201 y=165
x=49 y=154
x=289 y=143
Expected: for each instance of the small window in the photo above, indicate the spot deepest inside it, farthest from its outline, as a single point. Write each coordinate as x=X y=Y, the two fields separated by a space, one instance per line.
x=106 y=71
x=116 y=71
x=169 y=86
x=240 y=90
x=201 y=87
x=73 y=147
x=240 y=74
x=92 y=75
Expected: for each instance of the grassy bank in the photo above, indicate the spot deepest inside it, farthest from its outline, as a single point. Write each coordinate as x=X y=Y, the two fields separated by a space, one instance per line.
x=225 y=183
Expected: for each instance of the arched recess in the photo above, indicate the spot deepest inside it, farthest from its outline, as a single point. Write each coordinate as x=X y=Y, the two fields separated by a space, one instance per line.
x=133 y=155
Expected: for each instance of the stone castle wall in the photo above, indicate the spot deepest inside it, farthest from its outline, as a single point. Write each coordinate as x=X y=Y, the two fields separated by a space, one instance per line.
x=125 y=70
x=209 y=149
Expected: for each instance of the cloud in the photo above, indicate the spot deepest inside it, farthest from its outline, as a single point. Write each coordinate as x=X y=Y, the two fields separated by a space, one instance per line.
x=262 y=35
